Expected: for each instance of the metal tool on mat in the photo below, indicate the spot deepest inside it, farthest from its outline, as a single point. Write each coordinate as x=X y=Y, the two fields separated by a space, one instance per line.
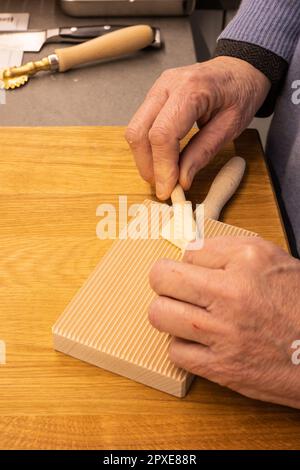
x=121 y=42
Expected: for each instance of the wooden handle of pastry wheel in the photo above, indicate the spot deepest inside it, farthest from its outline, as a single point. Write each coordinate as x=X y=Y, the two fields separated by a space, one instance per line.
x=223 y=187
x=121 y=42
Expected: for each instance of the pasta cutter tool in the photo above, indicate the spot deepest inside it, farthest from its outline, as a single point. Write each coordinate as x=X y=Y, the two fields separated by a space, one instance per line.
x=121 y=42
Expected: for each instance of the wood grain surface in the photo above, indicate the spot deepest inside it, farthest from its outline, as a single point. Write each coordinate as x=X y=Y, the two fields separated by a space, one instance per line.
x=51 y=182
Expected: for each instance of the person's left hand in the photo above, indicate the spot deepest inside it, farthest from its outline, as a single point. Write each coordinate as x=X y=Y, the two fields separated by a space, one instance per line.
x=233 y=309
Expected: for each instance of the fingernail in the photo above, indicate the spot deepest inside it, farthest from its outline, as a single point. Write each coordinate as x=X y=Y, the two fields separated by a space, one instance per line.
x=160 y=190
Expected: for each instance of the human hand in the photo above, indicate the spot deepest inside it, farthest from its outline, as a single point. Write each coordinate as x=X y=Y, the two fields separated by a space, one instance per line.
x=233 y=309
x=222 y=95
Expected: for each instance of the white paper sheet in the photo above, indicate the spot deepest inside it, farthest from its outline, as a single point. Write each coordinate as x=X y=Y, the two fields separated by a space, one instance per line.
x=12 y=22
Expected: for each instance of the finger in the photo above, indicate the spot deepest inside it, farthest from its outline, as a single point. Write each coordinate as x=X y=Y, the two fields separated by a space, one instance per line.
x=192 y=357
x=200 y=360
x=187 y=282
x=205 y=145
x=173 y=122
x=138 y=129
x=217 y=252
x=184 y=320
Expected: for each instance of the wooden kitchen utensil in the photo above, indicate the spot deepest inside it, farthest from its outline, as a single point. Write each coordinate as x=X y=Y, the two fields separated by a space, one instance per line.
x=106 y=324
x=222 y=189
x=121 y=42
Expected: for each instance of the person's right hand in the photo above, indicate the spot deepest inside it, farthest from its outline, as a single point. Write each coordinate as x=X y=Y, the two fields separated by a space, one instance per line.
x=221 y=95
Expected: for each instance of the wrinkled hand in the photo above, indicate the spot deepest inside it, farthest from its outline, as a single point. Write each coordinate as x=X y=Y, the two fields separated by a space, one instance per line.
x=233 y=309
x=221 y=95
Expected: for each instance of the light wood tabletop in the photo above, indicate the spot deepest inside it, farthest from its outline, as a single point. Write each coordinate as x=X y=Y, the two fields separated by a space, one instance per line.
x=51 y=182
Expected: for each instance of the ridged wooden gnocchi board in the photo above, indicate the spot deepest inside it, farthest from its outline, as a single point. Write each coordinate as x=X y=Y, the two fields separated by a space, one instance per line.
x=106 y=324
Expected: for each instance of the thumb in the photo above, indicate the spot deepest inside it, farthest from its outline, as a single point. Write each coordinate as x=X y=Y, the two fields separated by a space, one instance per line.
x=204 y=145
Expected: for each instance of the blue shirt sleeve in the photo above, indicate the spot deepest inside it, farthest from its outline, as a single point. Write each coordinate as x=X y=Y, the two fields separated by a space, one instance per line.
x=271 y=24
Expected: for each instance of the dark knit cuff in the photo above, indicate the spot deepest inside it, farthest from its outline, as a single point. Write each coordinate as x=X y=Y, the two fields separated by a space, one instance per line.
x=271 y=65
